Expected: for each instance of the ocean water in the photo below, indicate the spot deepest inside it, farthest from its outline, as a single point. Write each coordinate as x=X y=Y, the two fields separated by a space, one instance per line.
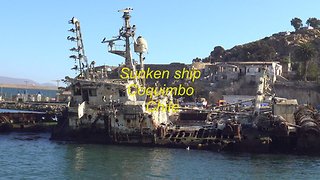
x=34 y=156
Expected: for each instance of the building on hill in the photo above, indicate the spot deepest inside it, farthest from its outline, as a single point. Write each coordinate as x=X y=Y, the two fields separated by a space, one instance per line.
x=251 y=71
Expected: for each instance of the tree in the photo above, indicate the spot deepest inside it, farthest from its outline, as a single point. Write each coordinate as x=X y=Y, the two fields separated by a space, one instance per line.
x=304 y=54
x=196 y=60
x=296 y=23
x=206 y=60
x=217 y=53
x=265 y=52
x=313 y=22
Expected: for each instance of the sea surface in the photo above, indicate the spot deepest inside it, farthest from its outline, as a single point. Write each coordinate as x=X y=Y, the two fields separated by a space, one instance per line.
x=34 y=156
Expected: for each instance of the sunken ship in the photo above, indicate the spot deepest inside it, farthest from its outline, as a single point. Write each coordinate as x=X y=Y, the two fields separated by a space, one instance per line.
x=103 y=109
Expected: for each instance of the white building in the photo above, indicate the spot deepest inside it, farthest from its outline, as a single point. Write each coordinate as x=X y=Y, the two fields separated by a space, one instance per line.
x=251 y=71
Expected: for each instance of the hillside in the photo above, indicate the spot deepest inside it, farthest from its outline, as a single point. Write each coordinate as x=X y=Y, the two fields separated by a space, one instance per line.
x=23 y=82
x=277 y=47
x=282 y=47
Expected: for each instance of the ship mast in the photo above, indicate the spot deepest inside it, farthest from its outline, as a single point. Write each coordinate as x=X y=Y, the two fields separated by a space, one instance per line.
x=79 y=49
x=125 y=32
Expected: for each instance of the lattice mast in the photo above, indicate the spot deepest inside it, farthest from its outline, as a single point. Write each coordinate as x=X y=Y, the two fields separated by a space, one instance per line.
x=79 y=58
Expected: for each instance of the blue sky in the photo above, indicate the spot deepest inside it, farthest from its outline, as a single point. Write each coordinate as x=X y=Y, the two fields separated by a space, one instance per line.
x=33 y=33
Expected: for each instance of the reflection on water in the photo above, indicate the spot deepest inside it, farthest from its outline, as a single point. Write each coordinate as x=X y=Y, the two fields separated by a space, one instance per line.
x=159 y=162
x=40 y=158
x=79 y=159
